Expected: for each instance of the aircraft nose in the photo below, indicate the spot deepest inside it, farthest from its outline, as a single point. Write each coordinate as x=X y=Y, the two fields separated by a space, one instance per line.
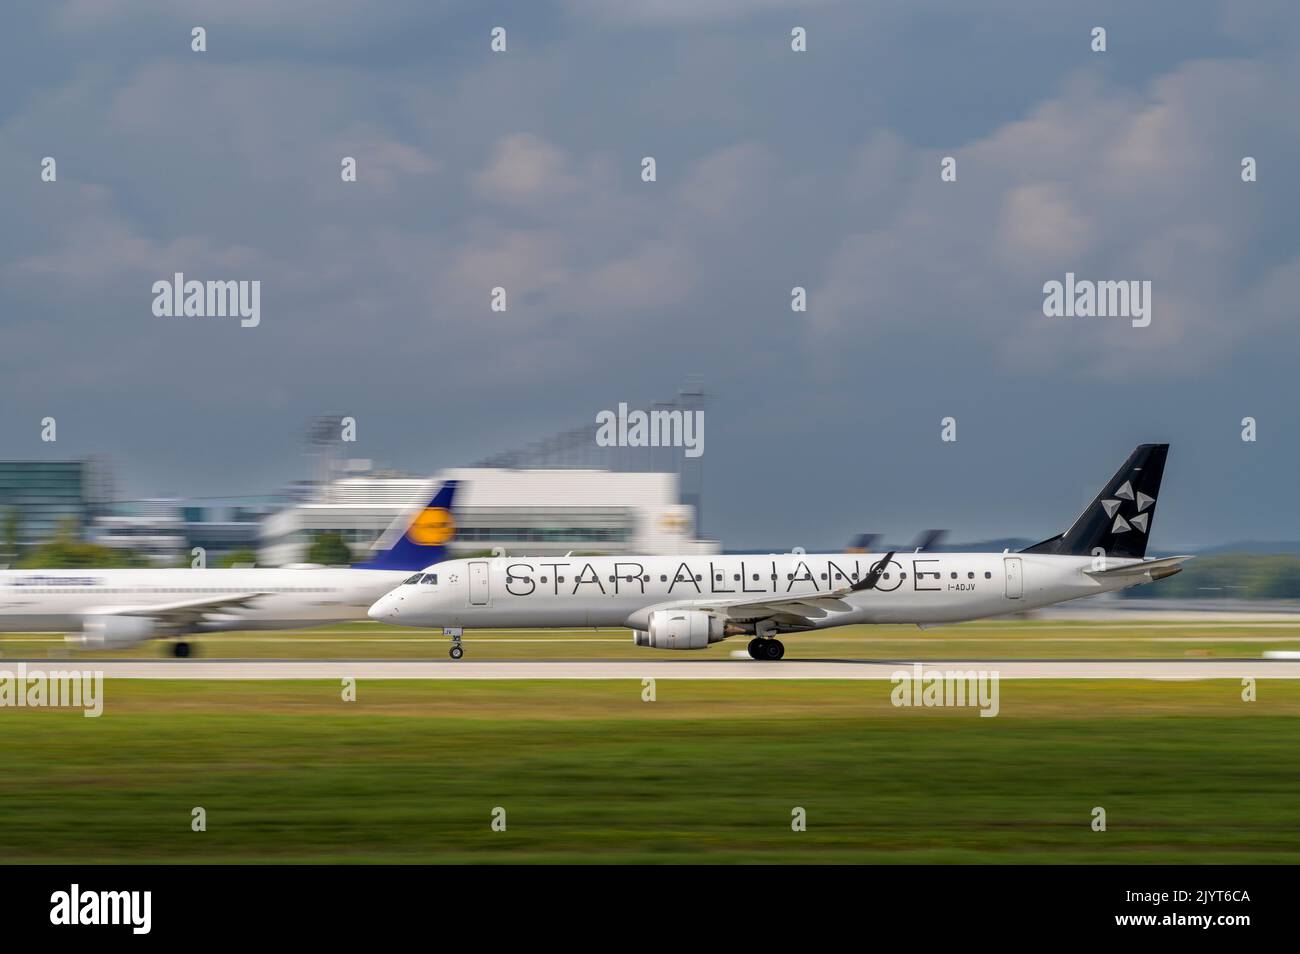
x=384 y=609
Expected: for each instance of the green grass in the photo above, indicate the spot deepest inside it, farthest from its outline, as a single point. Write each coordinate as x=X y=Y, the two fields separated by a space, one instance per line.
x=709 y=772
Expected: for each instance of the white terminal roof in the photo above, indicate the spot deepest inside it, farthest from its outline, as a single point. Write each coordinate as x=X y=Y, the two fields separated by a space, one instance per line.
x=491 y=487
x=494 y=488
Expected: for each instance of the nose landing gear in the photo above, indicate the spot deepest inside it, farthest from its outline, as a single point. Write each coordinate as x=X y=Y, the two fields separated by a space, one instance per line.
x=457 y=650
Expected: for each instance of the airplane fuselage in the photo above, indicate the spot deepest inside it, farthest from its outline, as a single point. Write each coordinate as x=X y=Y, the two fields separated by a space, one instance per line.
x=620 y=591
x=34 y=601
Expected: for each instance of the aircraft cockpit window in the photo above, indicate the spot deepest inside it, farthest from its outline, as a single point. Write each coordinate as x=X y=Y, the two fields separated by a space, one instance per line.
x=411 y=579
x=430 y=578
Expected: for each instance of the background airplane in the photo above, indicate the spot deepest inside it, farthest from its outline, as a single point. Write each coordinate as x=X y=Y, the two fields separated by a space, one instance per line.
x=103 y=609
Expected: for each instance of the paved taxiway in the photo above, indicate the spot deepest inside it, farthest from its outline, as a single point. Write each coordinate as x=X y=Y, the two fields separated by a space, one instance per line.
x=1161 y=669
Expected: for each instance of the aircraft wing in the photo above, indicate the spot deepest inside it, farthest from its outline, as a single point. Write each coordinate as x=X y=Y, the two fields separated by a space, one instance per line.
x=787 y=609
x=183 y=613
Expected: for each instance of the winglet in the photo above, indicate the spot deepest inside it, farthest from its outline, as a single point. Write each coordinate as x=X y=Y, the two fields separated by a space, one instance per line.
x=869 y=581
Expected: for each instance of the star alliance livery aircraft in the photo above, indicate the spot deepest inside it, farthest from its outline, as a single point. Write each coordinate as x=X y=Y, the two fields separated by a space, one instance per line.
x=689 y=602
x=108 y=609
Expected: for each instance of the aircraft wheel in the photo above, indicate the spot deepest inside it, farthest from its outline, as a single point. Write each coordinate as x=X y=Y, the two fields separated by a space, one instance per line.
x=455 y=652
x=773 y=649
x=755 y=648
x=180 y=650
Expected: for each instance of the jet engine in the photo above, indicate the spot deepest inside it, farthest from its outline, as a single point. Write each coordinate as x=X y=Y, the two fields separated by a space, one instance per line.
x=680 y=629
x=113 y=632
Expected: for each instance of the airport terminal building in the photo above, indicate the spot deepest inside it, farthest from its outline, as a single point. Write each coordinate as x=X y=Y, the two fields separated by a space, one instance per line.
x=166 y=530
x=531 y=512
x=38 y=498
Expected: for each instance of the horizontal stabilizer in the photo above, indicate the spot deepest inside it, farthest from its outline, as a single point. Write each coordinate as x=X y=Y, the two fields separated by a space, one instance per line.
x=1147 y=570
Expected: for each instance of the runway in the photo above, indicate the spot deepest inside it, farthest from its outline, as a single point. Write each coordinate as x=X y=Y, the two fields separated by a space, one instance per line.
x=811 y=669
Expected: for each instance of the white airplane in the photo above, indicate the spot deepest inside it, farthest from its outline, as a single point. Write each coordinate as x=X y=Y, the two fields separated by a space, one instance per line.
x=107 y=609
x=689 y=602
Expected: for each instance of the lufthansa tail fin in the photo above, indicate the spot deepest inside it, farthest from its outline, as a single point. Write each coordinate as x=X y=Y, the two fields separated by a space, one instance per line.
x=419 y=537
x=863 y=542
x=1118 y=521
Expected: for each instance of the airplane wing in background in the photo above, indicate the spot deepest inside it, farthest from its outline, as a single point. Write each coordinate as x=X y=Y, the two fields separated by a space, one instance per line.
x=181 y=615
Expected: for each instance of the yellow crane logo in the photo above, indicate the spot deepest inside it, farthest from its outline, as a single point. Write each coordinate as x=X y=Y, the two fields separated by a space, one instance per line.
x=433 y=527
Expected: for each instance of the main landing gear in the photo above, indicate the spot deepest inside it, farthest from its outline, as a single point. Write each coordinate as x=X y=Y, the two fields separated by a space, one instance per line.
x=766 y=648
x=181 y=649
x=457 y=650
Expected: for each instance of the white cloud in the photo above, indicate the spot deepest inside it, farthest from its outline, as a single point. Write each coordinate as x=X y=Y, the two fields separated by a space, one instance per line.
x=1104 y=183
x=529 y=264
x=525 y=169
x=673 y=12
x=728 y=185
x=656 y=275
x=1040 y=225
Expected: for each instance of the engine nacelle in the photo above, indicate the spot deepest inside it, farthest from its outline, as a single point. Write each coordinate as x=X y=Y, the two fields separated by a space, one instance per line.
x=113 y=632
x=680 y=629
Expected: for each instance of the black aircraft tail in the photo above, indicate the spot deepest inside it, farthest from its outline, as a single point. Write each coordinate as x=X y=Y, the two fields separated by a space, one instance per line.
x=1118 y=521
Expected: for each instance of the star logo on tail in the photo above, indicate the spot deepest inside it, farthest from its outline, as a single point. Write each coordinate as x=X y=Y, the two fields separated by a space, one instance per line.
x=1140 y=519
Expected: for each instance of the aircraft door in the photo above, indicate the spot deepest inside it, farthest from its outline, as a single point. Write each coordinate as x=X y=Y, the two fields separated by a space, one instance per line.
x=1015 y=581
x=478 y=583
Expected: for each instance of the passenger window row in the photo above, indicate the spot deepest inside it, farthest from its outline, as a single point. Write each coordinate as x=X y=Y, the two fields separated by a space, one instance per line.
x=717 y=578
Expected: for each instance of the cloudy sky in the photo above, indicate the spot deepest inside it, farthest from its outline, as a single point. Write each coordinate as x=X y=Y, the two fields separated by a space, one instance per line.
x=775 y=169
